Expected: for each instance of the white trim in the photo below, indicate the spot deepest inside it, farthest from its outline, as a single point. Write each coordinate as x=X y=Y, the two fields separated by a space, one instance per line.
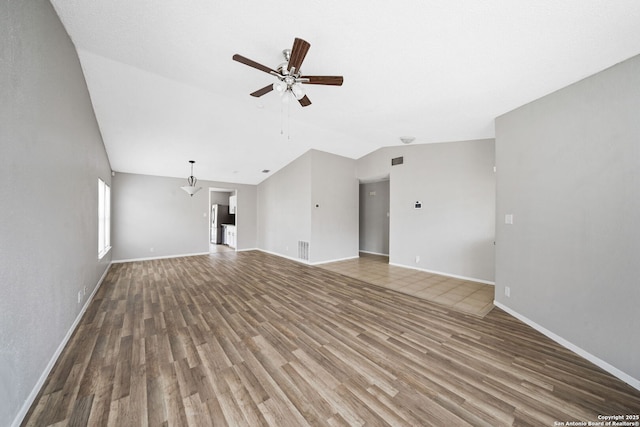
x=120 y=261
x=440 y=273
x=302 y=261
x=47 y=370
x=335 y=260
x=104 y=252
x=633 y=382
x=247 y=249
x=372 y=253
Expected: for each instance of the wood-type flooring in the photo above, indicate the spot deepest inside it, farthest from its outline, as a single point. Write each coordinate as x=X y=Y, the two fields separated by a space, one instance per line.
x=251 y=339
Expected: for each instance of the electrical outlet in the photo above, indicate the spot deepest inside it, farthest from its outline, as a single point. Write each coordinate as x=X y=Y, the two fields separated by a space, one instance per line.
x=417 y=259
x=507 y=291
x=84 y=291
x=151 y=249
x=79 y=297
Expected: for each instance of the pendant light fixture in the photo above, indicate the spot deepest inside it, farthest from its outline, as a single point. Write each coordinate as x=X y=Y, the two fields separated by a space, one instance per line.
x=191 y=188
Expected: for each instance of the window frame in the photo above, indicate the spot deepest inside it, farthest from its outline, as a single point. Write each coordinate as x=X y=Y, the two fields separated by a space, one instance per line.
x=104 y=218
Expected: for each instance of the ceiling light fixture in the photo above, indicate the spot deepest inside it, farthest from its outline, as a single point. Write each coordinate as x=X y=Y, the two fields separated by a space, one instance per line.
x=191 y=188
x=407 y=139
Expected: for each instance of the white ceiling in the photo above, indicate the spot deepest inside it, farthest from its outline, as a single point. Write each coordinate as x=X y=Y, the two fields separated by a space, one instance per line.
x=166 y=91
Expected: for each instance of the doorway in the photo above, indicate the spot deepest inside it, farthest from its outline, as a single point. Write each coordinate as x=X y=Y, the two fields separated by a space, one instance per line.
x=374 y=217
x=223 y=227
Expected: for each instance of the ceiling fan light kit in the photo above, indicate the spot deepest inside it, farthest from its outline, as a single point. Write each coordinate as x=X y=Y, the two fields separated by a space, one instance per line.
x=290 y=80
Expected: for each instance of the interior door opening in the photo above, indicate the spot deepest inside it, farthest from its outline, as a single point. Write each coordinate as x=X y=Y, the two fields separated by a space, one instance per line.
x=374 y=216
x=223 y=227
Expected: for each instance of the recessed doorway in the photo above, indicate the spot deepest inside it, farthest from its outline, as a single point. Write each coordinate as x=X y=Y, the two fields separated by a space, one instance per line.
x=374 y=216
x=222 y=220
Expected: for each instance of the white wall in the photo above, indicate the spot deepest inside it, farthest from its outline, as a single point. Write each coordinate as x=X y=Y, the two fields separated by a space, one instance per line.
x=51 y=156
x=153 y=217
x=569 y=172
x=374 y=217
x=453 y=233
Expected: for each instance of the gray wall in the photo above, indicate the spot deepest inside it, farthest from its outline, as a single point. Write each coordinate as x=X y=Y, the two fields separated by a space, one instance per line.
x=334 y=205
x=374 y=217
x=454 y=231
x=284 y=214
x=287 y=212
x=51 y=155
x=219 y=197
x=569 y=172
x=151 y=212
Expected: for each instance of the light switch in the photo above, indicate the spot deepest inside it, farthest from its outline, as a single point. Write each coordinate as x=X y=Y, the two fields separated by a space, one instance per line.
x=508 y=219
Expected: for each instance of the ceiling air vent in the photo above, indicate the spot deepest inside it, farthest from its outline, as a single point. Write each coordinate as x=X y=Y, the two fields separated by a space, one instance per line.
x=397 y=161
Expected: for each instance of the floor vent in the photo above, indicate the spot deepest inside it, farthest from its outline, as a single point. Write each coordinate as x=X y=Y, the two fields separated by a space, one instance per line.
x=397 y=161
x=303 y=250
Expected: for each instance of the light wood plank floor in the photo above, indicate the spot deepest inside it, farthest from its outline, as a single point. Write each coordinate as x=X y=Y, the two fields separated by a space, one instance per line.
x=458 y=294
x=252 y=339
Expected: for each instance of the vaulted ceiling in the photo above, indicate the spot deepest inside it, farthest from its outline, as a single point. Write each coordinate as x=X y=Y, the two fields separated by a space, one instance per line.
x=165 y=89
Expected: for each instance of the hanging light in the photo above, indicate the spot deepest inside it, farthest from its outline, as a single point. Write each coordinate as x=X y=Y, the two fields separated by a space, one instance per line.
x=297 y=90
x=280 y=86
x=191 y=188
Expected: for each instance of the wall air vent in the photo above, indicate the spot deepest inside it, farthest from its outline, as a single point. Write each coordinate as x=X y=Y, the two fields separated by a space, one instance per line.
x=303 y=250
x=397 y=161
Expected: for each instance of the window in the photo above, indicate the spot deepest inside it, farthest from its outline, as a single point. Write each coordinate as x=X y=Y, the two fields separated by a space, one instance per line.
x=104 y=218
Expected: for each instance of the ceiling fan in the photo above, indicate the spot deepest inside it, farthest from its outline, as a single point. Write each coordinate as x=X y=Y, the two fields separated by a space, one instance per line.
x=288 y=74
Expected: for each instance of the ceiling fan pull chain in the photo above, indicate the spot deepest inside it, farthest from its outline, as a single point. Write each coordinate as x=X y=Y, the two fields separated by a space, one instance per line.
x=281 y=118
x=288 y=122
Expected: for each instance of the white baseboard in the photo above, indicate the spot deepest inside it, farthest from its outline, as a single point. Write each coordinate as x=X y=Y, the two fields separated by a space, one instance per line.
x=247 y=249
x=47 y=370
x=335 y=260
x=633 y=382
x=372 y=253
x=303 y=261
x=440 y=273
x=120 y=261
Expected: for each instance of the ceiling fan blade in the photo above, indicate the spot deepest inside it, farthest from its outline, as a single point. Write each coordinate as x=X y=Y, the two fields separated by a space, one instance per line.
x=262 y=91
x=298 y=52
x=304 y=101
x=322 y=80
x=254 y=64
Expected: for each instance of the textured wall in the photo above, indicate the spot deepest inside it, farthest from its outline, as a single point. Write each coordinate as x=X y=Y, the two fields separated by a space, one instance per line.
x=51 y=155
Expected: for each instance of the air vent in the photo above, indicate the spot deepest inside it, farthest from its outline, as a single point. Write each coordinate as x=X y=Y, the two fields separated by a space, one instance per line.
x=397 y=161
x=303 y=250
